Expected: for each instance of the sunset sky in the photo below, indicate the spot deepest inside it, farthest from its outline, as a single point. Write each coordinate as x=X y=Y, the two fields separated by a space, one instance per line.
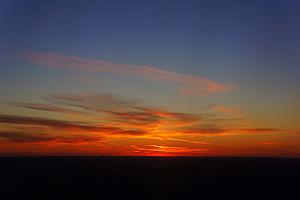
x=157 y=78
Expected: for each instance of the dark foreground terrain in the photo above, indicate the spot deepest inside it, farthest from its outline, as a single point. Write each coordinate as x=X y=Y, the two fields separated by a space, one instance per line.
x=149 y=178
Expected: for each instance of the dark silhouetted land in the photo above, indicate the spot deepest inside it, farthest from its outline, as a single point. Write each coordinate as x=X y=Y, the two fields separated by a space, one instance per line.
x=149 y=178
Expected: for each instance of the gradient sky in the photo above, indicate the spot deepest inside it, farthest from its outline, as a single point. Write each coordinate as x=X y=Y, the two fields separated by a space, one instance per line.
x=201 y=78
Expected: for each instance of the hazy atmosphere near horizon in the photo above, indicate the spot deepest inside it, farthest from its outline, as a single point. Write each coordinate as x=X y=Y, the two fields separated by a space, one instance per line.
x=150 y=78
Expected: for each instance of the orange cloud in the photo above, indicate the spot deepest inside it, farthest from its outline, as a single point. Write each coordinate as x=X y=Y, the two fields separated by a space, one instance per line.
x=46 y=107
x=125 y=117
x=162 y=150
x=213 y=131
x=66 y=125
x=190 y=85
x=260 y=130
x=125 y=111
x=269 y=143
x=118 y=126
x=28 y=137
x=222 y=109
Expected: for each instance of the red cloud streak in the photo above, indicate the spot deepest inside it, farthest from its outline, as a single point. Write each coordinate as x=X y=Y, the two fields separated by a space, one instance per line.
x=190 y=85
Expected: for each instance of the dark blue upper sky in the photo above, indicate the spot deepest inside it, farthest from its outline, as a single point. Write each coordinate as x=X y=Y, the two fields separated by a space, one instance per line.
x=154 y=31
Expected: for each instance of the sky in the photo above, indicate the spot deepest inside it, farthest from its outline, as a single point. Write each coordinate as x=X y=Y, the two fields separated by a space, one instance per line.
x=150 y=78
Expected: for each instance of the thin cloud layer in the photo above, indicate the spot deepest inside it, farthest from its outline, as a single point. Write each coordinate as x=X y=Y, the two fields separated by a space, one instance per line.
x=119 y=116
x=118 y=110
x=45 y=107
x=123 y=125
x=229 y=131
x=28 y=137
x=190 y=85
x=65 y=125
x=167 y=150
x=222 y=109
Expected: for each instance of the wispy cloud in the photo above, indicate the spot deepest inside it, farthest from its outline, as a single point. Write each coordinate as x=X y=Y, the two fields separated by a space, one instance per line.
x=45 y=107
x=260 y=130
x=270 y=143
x=28 y=137
x=124 y=125
x=167 y=150
x=128 y=117
x=66 y=125
x=190 y=84
x=213 y=131
x=129 y=112
x=223 y=109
